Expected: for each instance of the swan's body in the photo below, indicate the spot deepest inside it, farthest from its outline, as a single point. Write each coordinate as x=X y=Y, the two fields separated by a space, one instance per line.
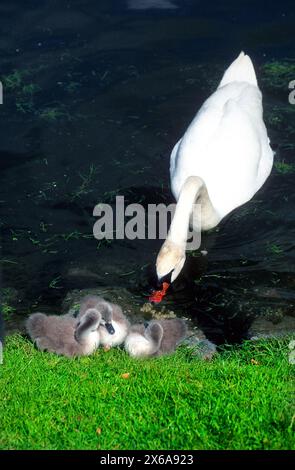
x=221 y=161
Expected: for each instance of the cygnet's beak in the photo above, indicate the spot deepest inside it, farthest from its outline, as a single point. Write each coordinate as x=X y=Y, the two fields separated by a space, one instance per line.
x=110 y=329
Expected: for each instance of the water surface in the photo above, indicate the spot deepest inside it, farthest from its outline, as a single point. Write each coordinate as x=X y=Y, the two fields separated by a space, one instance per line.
x=95 y=96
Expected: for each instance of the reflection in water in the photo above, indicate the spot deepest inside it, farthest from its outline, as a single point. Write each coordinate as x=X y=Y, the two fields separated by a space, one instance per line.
x=151 y=4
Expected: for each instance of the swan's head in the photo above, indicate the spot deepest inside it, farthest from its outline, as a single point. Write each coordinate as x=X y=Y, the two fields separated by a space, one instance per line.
x=170 y=261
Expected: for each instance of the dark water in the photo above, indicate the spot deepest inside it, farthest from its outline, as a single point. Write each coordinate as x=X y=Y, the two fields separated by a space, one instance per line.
x=95 y=96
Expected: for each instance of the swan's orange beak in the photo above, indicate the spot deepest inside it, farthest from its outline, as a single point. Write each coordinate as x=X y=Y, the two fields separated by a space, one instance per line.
x=158 y=295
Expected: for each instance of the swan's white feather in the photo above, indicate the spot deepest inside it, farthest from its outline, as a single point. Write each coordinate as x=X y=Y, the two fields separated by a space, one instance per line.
x=226 y=144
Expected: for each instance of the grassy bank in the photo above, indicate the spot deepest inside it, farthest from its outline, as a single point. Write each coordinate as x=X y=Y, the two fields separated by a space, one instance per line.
x=241 y=400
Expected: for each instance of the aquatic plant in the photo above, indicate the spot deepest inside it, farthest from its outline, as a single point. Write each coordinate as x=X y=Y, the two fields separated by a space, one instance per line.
x=48 y=244
x=7 y=311
x=87 y=180
x=104 y=242
x=53 y=114
x=44 y=227
x=23 y=92
x=278 y=74
x=72 y=87
x=7 y=261
x=53 y=284
x=75 y=235
x=284 y=167
x=274 y=249
x=9 y=298
x=14 y=80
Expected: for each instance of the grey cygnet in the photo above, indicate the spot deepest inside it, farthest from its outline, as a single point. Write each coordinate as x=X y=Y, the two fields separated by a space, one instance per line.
x=65 y=335
x=114 y=325
x=157 y=338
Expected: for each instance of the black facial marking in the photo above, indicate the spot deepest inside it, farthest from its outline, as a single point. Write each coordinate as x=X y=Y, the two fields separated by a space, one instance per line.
x=110 y=329
x=166 y=278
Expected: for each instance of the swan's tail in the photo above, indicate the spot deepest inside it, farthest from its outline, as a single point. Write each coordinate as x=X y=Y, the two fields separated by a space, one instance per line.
x=241 y=70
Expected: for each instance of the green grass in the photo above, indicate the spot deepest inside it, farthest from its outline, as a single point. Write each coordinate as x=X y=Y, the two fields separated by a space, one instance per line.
x=243 y=399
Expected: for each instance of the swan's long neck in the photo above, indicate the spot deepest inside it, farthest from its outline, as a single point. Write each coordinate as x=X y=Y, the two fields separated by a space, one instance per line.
x=193 y=191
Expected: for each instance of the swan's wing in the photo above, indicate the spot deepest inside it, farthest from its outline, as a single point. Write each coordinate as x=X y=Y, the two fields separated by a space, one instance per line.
x=223 y=145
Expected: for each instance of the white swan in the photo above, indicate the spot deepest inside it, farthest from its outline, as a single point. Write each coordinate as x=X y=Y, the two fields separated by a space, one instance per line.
x=221 y=161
